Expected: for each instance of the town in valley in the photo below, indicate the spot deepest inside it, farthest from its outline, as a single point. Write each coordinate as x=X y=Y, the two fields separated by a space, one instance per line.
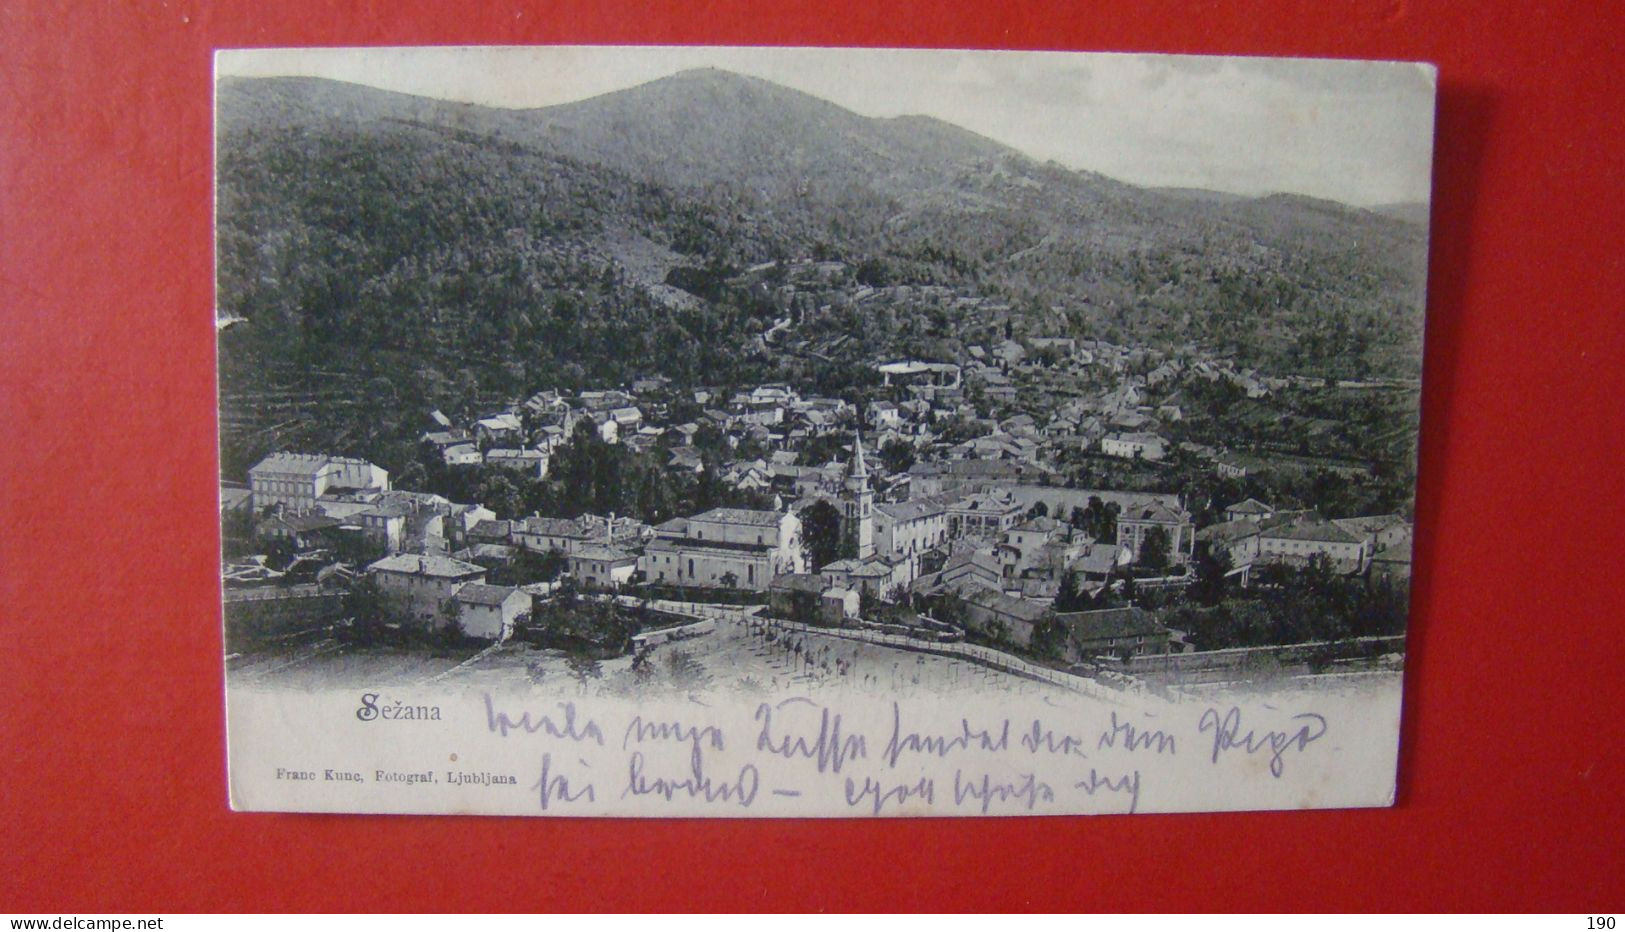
x=699 y=440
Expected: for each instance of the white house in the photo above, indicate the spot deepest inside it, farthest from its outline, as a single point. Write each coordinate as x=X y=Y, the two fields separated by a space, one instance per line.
x=529 y=462
x=884 y=415
x=423 y=586
x=490 y=611
x=1298 y=542
x=462 y=454
x=499 y=430
x=601 y=566
x=905 y=530
x=1249 y=510
x=1134 y=445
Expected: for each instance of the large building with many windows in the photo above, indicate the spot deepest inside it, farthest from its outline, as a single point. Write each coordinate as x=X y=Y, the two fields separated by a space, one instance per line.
x=1136 y=523
x=725 y=547
x=296 y=480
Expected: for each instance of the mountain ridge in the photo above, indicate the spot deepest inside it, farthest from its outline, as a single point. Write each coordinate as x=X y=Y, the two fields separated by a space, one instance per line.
x=716 y=170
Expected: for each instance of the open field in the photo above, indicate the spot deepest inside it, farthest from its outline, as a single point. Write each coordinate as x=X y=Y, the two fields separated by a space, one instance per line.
x=732 y=660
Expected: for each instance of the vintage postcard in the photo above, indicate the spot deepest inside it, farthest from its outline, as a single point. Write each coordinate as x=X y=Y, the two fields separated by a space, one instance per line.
x=816 y=432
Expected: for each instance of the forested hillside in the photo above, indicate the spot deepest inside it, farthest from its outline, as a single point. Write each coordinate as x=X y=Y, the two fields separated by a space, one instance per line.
x=454 y=253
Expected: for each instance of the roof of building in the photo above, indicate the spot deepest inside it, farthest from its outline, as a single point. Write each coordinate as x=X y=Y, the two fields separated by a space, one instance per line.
x=912 y=510
x=1039 y=588
x=1006 y=605
x=388 y=509
x=500 y=422
x=1369 y=524
x=970 y=561
x=304 y=464
x=1099 y=558
x=1038 y=525
x=1104 y=624
x=676 y=527
x=313 y=521
x=1154 y=512
x=482 y=594
x=491 y=527
x=601 y=552
x=551 y=527
x=743 y=516
x=983 y=501
x=341 y=509
x=1324 y=531
x=1251 y=506
x=500 y=552
x=682 y=544
x=875 y=566
x=424 y=565
x=1227 y=531
x=974 y=467
x=1136 y=437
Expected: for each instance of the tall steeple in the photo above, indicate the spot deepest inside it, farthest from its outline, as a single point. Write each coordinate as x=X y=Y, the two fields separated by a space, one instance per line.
x=860 y=503
x=857 y=470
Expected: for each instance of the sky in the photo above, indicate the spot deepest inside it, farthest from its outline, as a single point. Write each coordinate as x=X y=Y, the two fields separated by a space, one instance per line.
x=1356 y=132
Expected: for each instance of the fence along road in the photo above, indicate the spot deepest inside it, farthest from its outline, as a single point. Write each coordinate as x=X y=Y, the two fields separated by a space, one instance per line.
x=975 y=653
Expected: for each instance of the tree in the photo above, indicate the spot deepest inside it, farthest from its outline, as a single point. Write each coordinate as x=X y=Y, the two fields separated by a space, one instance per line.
x=872 y=271
x=868 y=604
x=897 y=456
x=1097 y=519
x=1049 y=637
x=950 y=609
x=528 y=566
x=499 y=494
x=1212 y=565
x=1069 y=598
x=1039 y=510
x=450 y=632
x=1154 y=549
x=1130 y=590
x=413 y=477
x=368 y=610
x=584 y=668
x=821 y=533
x=552 y=564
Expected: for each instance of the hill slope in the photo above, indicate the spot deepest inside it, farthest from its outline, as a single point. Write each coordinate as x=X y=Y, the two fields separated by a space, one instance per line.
x=516 y=248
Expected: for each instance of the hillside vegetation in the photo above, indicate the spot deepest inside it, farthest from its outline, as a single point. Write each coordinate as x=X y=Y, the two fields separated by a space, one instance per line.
x=452 y=254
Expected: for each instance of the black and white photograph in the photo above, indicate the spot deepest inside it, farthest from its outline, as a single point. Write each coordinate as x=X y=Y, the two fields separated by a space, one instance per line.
x=798 y=432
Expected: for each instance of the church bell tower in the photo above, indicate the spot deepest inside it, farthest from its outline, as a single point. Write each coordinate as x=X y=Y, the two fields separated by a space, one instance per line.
x=860 y=503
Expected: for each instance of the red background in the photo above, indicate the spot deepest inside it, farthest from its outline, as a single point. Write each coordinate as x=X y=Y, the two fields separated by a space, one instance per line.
x=113 y=770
